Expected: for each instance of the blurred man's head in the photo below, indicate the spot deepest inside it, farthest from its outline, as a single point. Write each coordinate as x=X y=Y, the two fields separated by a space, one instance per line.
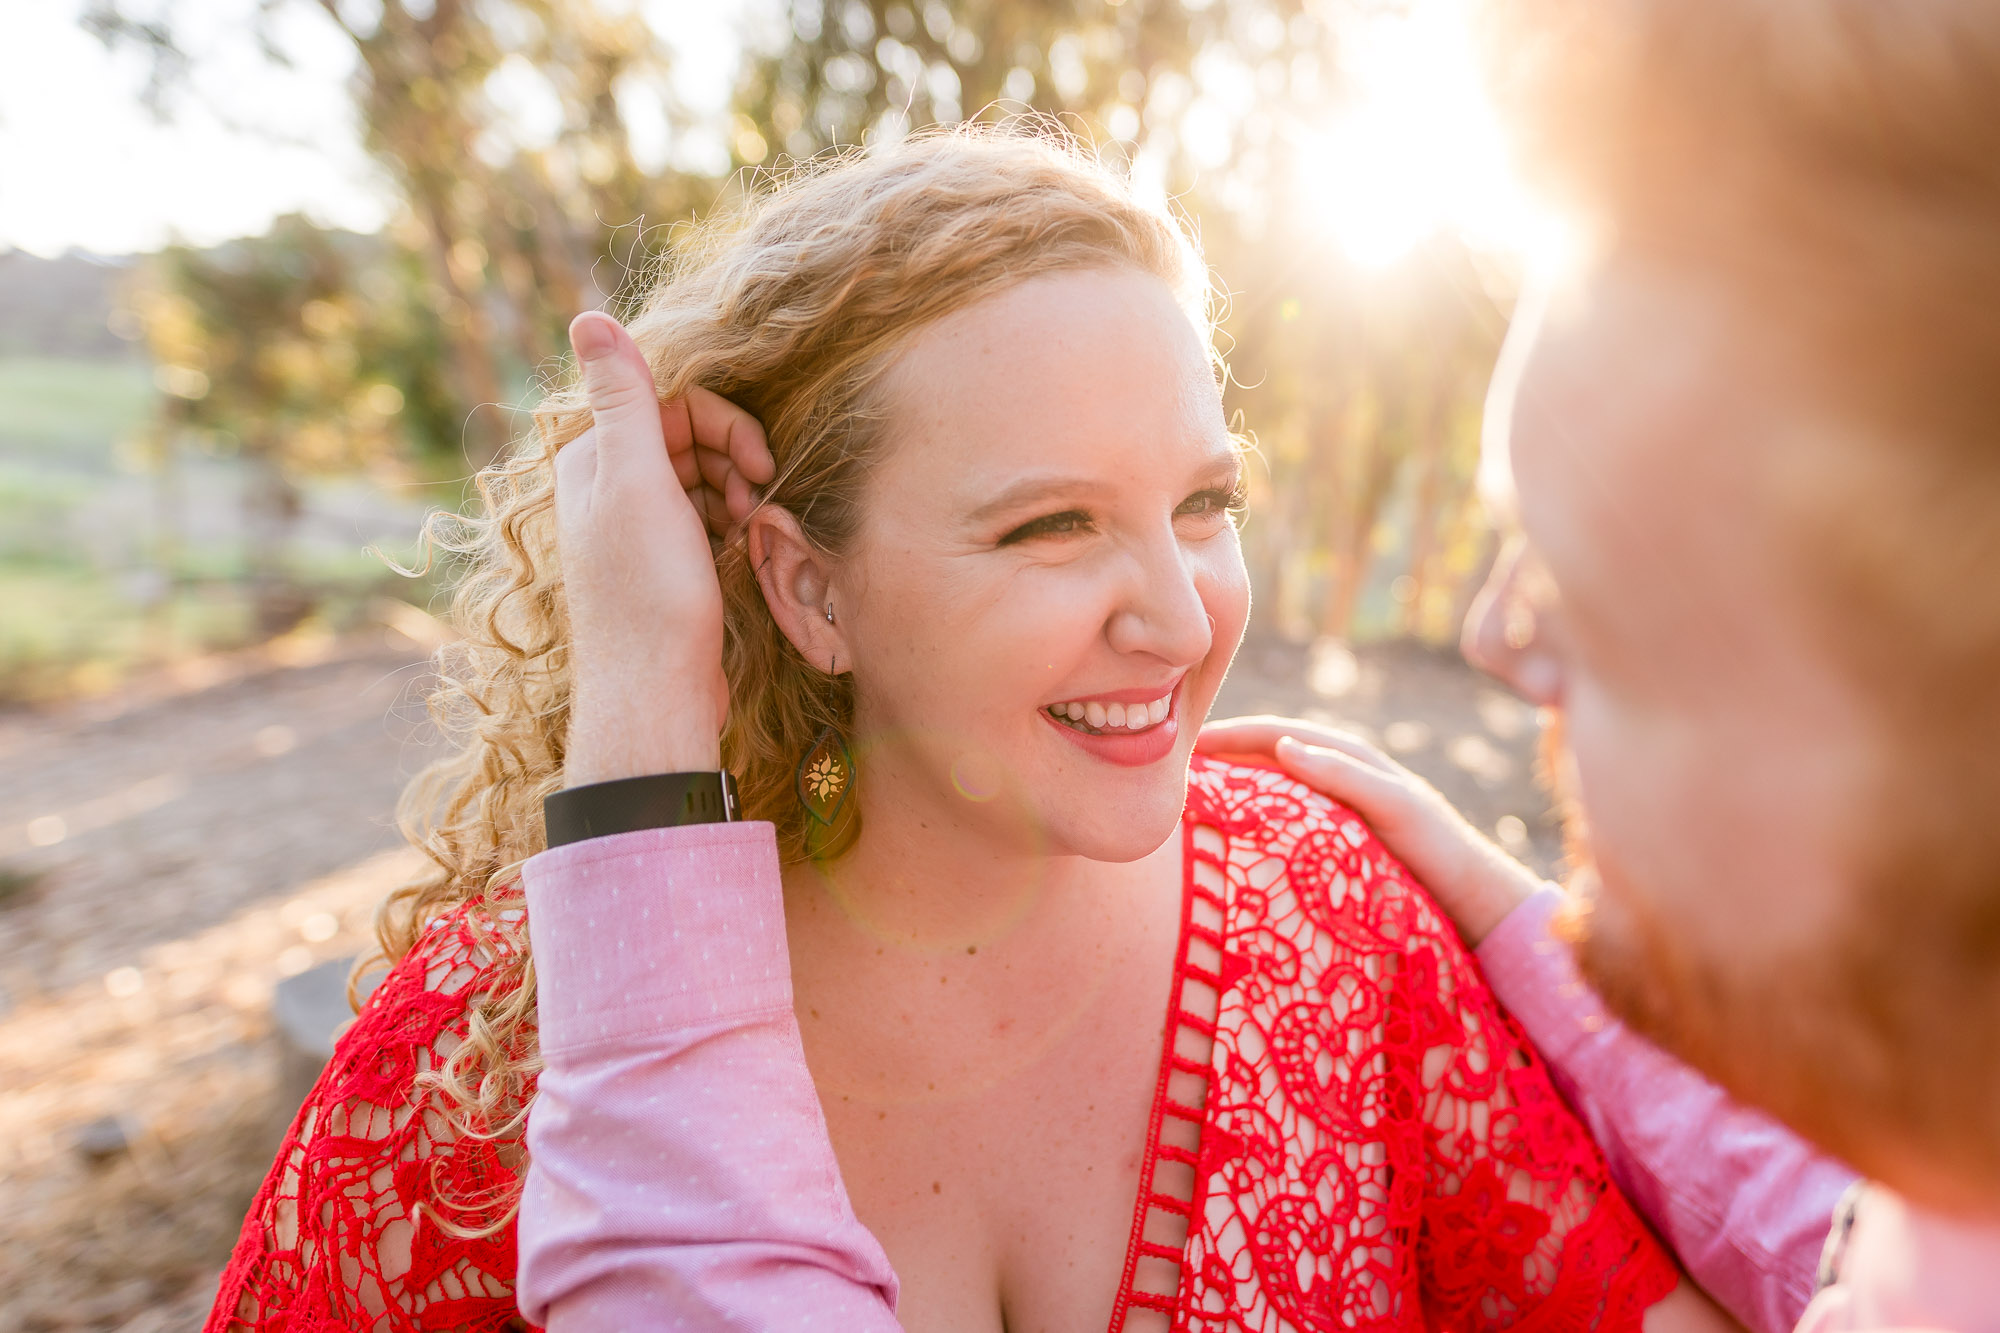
x=1756 y=444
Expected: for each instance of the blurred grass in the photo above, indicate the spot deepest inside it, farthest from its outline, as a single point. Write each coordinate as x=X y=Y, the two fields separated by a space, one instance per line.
x=70 y=629
x=61 y=423
x=79 y=607
x=70 y=410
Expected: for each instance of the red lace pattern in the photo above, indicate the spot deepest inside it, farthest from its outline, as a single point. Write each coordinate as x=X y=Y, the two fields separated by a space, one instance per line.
x=1348 y=1133
x=361 y=1223
x=1380 y=1147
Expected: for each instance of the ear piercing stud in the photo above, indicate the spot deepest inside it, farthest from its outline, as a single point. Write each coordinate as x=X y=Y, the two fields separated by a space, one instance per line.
x=829 y=613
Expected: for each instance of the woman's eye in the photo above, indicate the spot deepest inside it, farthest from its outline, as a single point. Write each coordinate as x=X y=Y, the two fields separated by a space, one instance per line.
x=1214 y=501
x=1049 y=525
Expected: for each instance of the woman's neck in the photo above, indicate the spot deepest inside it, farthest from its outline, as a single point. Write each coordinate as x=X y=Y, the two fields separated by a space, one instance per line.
x=934 y=870
x=945 y=953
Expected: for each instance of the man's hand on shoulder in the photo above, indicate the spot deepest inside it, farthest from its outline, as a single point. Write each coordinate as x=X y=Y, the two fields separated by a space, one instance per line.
x=1473 y=881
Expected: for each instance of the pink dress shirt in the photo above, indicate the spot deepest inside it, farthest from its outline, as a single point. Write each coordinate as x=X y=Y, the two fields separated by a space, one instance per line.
x=681 y=1175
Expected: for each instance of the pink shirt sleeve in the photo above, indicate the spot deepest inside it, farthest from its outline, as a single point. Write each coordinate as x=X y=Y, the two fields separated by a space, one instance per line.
x=1743 y=1202
x=680 y=1174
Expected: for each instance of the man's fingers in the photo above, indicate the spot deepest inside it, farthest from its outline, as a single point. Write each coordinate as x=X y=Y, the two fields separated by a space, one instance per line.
x=716 y=445
x=678 y=433
x=623 y=402
x=1260 y=735
x=716 y=451
x=1355 y=748
x=713 y=508
x=1377 y=796
x=715 y=467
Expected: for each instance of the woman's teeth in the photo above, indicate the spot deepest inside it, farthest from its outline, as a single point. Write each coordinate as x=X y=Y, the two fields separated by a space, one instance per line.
x=1095 y=716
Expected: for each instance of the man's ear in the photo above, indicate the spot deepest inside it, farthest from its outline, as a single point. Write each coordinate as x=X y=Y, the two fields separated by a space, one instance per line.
x=797 y=580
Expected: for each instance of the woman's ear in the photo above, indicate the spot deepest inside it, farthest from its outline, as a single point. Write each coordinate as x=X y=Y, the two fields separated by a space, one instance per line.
x=797 y=580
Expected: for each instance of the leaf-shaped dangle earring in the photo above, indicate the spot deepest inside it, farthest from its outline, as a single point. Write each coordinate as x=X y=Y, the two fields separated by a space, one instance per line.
x=823 y=776
x=822 y=781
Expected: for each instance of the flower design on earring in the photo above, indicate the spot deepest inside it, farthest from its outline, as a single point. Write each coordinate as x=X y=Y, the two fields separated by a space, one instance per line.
x=823 y=777
x=826 y=777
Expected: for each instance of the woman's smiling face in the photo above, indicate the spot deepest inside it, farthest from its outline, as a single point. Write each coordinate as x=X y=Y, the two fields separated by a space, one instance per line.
x=1046 y=586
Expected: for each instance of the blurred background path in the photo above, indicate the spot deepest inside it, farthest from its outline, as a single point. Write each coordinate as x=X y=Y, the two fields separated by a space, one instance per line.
x=167 y=856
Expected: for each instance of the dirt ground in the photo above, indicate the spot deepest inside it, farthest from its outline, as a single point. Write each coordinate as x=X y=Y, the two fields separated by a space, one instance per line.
x=169 y=855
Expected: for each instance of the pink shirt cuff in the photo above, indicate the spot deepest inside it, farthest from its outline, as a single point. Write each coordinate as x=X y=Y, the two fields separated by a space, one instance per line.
x=1743 y=1202
x=670 y=927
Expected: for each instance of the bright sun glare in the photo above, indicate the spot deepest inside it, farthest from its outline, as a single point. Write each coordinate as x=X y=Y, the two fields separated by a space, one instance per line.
x=1415 y=148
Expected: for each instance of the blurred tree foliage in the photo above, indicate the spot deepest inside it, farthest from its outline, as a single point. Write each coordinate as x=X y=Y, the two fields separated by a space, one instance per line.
x=1364 y=390
x=303 y=351
x=1362 y=386
x=851 y=70
x=513 y=223
x=515 y=226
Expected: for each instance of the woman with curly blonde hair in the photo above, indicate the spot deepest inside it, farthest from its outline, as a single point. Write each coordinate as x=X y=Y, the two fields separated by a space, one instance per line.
x=908 y=502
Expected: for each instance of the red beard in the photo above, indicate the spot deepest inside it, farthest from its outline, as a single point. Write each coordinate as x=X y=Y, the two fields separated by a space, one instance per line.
x=1843 y=1040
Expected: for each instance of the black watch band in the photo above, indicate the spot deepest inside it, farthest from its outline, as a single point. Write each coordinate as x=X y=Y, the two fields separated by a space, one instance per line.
x=625 y=805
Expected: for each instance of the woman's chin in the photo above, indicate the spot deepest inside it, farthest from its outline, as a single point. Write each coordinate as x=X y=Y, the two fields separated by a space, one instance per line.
x=1103 y=810
x=1129 y=828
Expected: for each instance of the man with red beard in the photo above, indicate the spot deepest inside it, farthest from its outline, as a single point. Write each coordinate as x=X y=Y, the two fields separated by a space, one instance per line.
x=1749 y=451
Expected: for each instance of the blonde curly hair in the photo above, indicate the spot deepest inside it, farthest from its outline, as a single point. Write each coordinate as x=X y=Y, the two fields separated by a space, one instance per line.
x=793 y=307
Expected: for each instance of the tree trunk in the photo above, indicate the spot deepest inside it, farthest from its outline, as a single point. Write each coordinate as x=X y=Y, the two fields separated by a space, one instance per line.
x=271 y=507
x=1424 y=512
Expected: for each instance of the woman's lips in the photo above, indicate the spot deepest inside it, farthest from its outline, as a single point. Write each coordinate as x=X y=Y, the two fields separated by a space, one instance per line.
x=1126 y=748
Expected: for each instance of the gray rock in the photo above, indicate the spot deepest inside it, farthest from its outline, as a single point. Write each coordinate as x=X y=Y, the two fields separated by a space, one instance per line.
x=102 y=1139
x=308 y=1011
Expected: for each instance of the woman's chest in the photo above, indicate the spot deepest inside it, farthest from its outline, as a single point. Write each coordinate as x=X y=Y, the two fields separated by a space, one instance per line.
x=1012 y=1208
x=992 y=1137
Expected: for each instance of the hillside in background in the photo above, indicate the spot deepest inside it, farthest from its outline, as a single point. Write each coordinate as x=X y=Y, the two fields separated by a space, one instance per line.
x=60 y=307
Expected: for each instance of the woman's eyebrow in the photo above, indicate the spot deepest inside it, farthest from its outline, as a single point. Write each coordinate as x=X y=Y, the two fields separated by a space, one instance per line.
x=1029 y=491
x=1226 y=462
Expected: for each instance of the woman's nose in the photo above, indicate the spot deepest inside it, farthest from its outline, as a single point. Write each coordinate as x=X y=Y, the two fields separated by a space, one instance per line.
x=1163 y=614
x=1511 y=629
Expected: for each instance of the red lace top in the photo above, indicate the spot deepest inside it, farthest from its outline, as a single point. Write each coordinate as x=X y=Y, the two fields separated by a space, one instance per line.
x=364 y=1219
x=1348 y=1132
x=1379 y=1146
